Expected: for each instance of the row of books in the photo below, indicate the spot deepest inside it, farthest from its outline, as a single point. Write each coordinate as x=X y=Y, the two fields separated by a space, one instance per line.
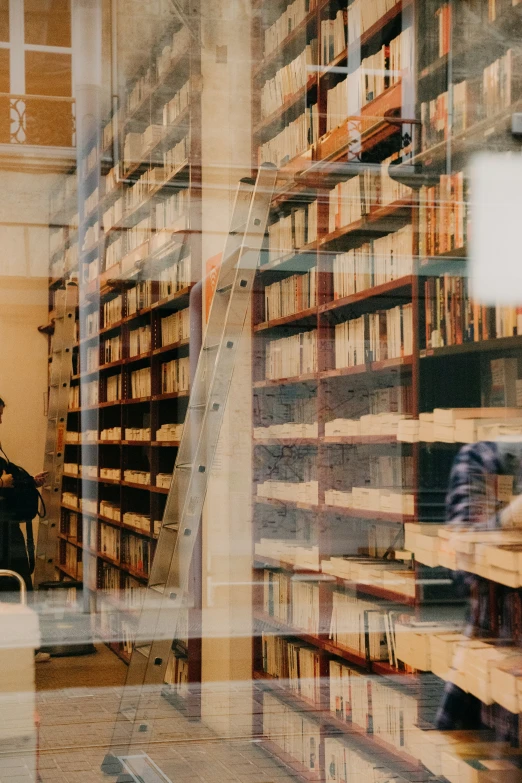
x=363 y=627
x=113 y=215
x=175 y=277
x=454 y=318
x=292 y=232
x=140 y=340
x=374 y=337
x=381 y=500
x=176 y=156
x=92 y=323
x=137 y=433
x=175 y=327
x=110 y=510
x=345 y=764
x=114 y=388
x=294 y=733
x=69 y=524
x=291 y=429
x=380 y=261
x=177 y=674
x=463 y=425
x=137 y=476
x=333 y=37
x=291 y=295
x=109 y=579
x=363 y=15
x=112 y=349
x=291 y=18
x=293 y=140
x=443 y=216
x=112 y=312
x=175 y=376
x=387 y=713
x=170 y=210
x=293 y=491
x=357 y=197
x=140 y=383
x=110 y=541
x=177 y=105
x=296 y=663
x=136 y=553
x=291 y=356
x=71 y=559
x=380 y=71
x=370 y=424
x=288 y=80
x=139 y=297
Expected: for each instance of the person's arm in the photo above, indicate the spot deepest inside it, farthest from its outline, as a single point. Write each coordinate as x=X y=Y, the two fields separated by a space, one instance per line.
x=39 y=479
x=466 y=498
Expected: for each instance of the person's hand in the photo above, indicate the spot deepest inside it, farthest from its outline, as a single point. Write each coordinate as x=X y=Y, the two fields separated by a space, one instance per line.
x=39 y=479
x=511 y=516
x=6 y=480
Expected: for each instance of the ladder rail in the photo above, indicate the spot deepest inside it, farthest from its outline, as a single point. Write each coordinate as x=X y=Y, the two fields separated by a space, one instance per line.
x=168 y=593
x=54 y=454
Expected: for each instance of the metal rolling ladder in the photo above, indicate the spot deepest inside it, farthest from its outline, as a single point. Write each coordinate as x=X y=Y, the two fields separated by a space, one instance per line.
x=167 y=595
x=59 y=383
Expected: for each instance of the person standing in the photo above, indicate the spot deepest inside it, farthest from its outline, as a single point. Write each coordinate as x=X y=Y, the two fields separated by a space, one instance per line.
x=14 y=553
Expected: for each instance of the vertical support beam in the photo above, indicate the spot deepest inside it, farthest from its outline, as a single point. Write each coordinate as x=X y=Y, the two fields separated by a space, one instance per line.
x=87 y=69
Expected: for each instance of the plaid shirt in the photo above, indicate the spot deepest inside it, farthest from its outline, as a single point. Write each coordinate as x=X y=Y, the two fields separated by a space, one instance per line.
x=465 y=506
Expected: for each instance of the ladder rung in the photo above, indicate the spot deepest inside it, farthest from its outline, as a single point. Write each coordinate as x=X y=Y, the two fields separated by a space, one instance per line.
x=144 y=650
x=211 y=347
x=198 y=406
x=129 y=713
x=158 y=588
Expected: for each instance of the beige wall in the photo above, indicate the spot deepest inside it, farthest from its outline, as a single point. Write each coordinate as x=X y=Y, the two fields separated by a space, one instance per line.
x=24 y=215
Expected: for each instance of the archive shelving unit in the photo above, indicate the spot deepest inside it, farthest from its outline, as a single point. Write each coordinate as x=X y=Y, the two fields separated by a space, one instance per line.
x=452 y=373
x=139 y=264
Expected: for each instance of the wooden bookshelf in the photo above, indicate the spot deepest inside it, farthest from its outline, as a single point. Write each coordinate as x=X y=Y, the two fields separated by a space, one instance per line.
x=450 y=372
x=140 y=259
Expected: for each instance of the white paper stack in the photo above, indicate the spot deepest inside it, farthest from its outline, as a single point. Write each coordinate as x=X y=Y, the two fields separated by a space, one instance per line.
x=430 y=745
x=412 y=643
x=334 y=497
x=169 y=432
x=293 y=491
x=426 y=428
x=423 y=541
x=349 y=428
x=408 y=431
x=287 y=430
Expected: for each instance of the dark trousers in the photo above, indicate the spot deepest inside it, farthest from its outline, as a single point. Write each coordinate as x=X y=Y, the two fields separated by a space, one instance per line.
x=13 y=555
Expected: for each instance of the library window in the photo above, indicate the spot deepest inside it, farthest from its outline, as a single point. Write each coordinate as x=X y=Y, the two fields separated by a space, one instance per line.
x=261 y=391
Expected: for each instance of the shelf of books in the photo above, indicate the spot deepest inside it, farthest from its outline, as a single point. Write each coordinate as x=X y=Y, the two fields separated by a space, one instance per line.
x=372 y=368
x=137 y=331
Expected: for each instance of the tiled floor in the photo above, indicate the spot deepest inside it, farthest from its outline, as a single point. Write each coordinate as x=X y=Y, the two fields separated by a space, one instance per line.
x=77 y=702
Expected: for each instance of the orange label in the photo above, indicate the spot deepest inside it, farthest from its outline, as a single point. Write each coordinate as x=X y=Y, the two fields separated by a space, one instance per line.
x=60 y=437
x=211 y=277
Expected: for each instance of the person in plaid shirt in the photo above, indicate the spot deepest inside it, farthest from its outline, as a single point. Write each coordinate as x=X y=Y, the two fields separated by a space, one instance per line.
x=466 y=506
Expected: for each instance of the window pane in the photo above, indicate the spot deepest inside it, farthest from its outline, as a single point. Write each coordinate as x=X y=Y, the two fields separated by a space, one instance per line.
x=48 y=121
x=47 y=22
x=47 y=73
x=4 y=20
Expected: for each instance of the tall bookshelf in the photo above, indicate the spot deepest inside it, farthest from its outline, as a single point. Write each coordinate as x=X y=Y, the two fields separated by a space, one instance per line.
x=138 y=336
x=371 y=217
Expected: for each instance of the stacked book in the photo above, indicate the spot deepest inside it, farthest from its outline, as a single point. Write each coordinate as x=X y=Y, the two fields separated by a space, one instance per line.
x=137 y=476
x=296 y=552
x=385 y=424
x=110 y=510
x=461 y=425
x=111 y=433
x=388 y=574
x=288 y=80
x=137 y=433
x=288 y=430
x=291 y=295
x=293 y=491
x=139 y=521
x=169 y=432
x=294 y=734
x=163 y=480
